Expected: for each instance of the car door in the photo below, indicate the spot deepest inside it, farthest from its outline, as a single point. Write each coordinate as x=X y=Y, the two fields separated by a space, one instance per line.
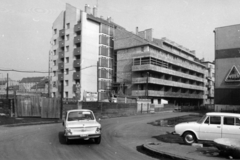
x=211 y=128
x=231 y=127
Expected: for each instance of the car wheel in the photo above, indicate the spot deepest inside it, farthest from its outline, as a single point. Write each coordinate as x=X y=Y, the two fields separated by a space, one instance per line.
x=189 y=138
x=97 y=140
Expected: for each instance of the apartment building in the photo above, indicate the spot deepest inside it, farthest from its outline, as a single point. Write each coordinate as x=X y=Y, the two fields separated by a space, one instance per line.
x=82 y=53
x=158 y=69
x=227 y=59
x=210 y=77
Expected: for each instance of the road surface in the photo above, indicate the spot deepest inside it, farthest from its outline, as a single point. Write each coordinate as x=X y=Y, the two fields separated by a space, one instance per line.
x=121 y=138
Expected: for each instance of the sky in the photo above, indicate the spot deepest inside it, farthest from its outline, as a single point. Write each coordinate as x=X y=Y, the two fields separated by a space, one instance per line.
x=26 y=26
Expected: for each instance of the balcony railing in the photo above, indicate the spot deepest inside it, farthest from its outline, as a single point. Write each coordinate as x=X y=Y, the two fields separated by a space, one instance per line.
x=60 y=77
x=77 y=27
x=152 y=93
x=77 y=51
x=166 y=71
x=165 y=83
x=60 y=65
x=76 y=63
x=61 y=55
x=77 y=39
x=61 y=44
x=76 y=75
x=61 y=32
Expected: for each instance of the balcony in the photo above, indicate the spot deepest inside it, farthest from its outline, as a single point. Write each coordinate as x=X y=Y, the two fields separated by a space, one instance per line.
x=147 y=67
x=60 y=77
x=61 y=55
x=76 y=63
x=152 y=93
x=74 y=88
x=77 y=51
x=77 y=39
x=165 y=83
x=61 y=44
x=61 y=33
x=77 y=27
x=76 y=75
x=60 y=65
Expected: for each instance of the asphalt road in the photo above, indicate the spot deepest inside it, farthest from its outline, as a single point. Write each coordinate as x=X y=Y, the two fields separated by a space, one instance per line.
x=121 y=138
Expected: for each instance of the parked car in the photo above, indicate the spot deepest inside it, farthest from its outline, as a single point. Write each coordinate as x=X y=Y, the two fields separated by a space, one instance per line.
x=81 y=124
x=211 y=126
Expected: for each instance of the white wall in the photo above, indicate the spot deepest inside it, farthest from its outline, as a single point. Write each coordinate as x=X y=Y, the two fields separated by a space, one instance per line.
x=89 y=54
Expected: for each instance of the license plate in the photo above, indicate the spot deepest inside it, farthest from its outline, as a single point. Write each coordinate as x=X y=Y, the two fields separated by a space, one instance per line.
x=83 y=135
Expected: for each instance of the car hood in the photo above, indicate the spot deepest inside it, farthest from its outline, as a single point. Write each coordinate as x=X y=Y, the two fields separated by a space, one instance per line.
x=74 y=124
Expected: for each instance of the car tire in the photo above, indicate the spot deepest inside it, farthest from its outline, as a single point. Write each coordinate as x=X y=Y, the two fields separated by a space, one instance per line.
x=97 y=140
x=189 y=138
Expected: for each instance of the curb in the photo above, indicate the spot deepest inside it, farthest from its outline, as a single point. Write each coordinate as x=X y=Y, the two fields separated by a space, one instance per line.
x=32 y=123
x=147 y=148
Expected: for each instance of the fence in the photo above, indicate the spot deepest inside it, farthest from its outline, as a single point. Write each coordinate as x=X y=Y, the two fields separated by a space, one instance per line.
x=101 y=109
x=32 y=106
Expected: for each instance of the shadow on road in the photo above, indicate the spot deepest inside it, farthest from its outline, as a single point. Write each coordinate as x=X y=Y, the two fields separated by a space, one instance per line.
x=73 y=142
x=169 y=138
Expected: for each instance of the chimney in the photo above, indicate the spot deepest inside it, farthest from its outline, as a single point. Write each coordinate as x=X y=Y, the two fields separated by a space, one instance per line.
x=109 y=19
x=136 y=30
x=95 y=11
x=86 y=8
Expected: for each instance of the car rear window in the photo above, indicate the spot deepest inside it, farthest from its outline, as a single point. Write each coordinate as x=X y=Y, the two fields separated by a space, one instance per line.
x=80 y=115
x=231 y=121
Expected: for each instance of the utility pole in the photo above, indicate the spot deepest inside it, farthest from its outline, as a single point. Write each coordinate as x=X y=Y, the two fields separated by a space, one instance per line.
x=7 y=86
x=49 y=74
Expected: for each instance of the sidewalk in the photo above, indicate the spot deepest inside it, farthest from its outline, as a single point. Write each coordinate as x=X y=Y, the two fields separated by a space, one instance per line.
x=184 y=152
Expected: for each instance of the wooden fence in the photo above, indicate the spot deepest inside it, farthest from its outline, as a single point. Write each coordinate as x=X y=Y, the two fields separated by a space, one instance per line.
x=32 y=106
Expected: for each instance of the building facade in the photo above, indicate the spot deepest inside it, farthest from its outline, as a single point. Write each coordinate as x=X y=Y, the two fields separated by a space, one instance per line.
x=159 y=69
x=26 y=84
x=227 y=59
x=210 y=82
x=81 y=54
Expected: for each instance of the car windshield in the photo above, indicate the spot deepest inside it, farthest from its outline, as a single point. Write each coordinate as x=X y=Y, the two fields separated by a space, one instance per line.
x=202 y=119
x=80 y=115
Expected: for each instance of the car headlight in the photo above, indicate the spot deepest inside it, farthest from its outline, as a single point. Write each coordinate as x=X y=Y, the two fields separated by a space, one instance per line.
x=98 y=129
x=68 y=131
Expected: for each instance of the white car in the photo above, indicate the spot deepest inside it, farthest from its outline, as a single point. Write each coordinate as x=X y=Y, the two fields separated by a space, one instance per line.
x=81 y=124
x=211 y=126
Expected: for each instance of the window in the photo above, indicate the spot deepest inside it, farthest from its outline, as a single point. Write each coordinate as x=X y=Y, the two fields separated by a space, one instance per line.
x=67 y=48
x=67 y=71
x=53 y=94
x=213 y=120
x=54 y=52
x=66 y=82
x=67 y=37
x=228 y=121
x=55 y=31
x=67 y=59
x=54 y=84
x=66 y=94
x=68 y=25
x=54 y=63
x=54 y=73
x=55 y=42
